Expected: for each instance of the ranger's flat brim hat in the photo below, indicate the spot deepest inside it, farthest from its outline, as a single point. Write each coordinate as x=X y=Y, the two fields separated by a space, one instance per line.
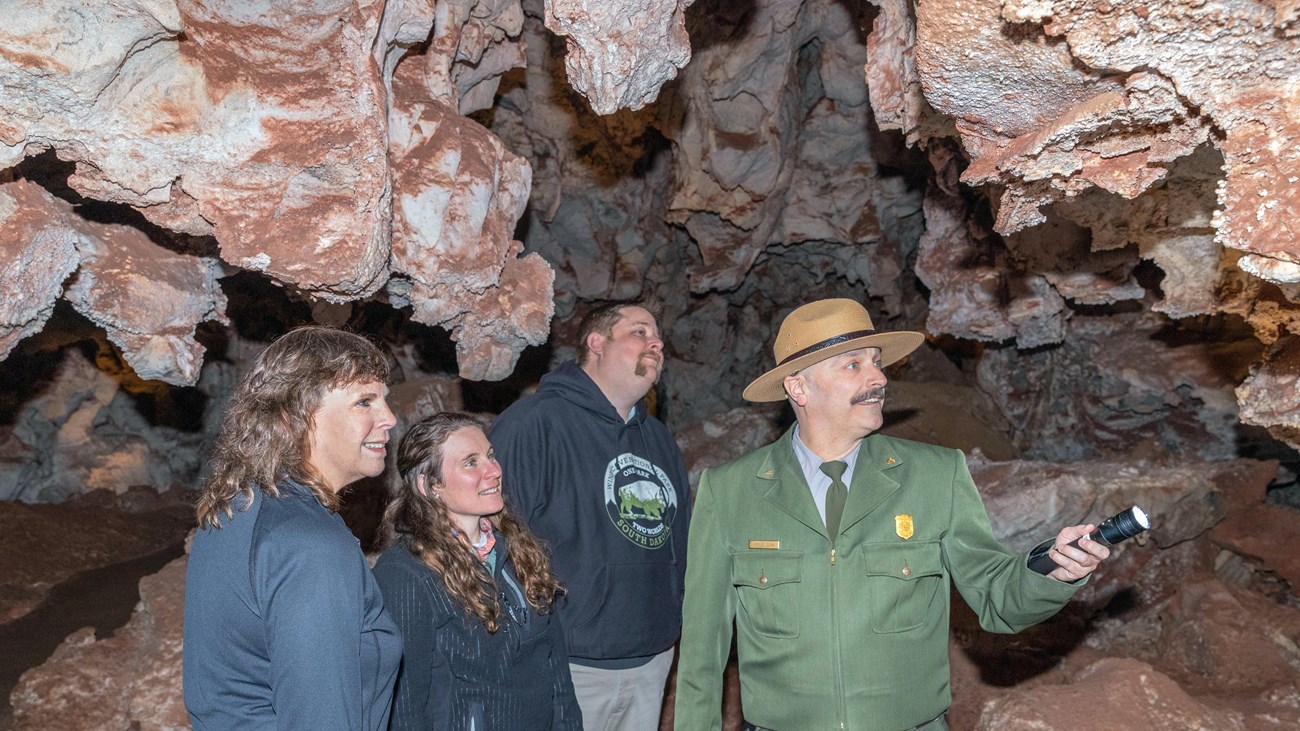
x=821 y=330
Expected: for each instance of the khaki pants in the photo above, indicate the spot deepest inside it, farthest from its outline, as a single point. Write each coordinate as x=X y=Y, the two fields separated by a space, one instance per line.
x=622 y=700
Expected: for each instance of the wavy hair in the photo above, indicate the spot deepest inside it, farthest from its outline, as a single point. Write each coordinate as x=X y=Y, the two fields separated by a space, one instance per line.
x=431 y=536
x=266 y=429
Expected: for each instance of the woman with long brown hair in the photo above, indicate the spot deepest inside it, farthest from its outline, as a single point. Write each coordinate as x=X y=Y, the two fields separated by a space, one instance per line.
x=472 y=591
x=284 y=623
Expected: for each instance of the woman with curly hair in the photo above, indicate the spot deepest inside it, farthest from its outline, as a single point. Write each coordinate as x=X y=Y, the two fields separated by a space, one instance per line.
x=284 y=624
x=472 y=591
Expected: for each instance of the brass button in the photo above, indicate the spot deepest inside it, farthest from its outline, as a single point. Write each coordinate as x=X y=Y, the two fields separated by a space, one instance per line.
x=907 y=571
x=763 y=579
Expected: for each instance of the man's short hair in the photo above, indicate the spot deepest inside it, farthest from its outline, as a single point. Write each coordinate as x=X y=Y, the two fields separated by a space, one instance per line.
x=602 y=319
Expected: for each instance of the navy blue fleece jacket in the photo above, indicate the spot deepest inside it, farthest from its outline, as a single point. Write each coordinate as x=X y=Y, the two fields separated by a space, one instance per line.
x=285 y=627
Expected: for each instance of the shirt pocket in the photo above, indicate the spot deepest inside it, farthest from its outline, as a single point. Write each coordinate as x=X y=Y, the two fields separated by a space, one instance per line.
x=767 y=585
x=903 y=581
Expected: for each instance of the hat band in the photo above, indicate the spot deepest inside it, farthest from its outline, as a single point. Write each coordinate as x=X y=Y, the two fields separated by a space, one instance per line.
x=826 y=344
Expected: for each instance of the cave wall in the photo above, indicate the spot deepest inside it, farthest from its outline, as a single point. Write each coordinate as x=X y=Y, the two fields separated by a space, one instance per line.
x=1105 y=136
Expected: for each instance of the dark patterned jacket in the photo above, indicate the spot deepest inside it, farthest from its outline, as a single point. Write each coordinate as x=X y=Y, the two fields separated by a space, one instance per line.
x=455 y=676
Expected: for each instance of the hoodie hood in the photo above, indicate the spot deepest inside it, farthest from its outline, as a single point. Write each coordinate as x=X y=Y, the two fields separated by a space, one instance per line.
x=572 y=384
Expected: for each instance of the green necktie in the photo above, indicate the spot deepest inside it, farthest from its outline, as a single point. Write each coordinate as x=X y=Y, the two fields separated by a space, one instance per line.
x=836 y=495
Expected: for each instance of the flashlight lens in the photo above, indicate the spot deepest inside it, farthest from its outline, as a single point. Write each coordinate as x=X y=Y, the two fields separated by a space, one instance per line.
x=1123 y=526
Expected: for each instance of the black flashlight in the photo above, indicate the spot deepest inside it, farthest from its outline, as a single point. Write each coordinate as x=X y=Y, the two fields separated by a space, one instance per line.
x=1119 y=527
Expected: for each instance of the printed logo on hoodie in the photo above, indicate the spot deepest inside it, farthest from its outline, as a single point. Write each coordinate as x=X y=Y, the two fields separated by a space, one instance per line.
x=640 y=500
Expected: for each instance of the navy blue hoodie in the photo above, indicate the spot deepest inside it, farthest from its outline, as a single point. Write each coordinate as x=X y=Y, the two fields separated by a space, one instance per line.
x=612 y=501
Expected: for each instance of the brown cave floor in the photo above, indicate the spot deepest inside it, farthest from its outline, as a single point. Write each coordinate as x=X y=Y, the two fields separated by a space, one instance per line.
x=78 y=564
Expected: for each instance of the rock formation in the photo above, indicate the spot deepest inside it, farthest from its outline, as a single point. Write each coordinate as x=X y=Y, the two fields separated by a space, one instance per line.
x=284 y=136
x=129 y=680
x=620 y=53
x=762 y=155
x=1103 y=147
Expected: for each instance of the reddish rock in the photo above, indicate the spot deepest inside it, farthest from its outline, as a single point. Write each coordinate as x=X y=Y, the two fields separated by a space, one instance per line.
x=1174 y=623
x=620 y=53
x=1135 y=696
x=1120 y=111
x=1217 y=639
x=1029 y=502
x=515 y=315
x=38 y=242
x=270 y=130
x=262 y=128
x=43 y=545
x=129 y=680
x=1235 y=79
x=1033 y=500
x=148 y=299
x=457 y=195
x=1118 y=141
x=471 y=44
x=1267 y=536
x=977 y=289
x=1244 y=483
x=897 y=98
x=1270 y=396
x=997 y=81
x=966 y=292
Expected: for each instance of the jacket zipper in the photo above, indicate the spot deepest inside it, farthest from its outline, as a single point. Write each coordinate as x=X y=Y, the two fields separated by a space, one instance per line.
x=835 y=624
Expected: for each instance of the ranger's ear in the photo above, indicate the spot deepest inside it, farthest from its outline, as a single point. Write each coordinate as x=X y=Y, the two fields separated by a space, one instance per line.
x=796 y=387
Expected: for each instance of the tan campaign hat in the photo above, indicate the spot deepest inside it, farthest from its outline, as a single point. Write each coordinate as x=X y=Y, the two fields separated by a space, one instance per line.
x=820 y=330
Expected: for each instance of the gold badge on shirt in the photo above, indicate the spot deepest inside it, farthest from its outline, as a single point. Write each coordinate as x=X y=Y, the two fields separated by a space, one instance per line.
x=903 y=526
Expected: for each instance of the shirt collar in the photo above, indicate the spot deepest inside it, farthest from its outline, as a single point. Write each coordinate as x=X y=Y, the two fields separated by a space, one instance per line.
x=811 y=464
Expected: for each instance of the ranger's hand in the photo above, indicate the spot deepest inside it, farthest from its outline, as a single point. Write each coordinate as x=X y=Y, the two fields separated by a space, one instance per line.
x=1075 y=563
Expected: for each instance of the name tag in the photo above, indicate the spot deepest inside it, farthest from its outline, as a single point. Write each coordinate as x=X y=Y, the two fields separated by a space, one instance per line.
x=771 y=545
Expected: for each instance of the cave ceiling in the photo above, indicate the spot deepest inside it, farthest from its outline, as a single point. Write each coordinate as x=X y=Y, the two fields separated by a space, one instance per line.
x=1050 y=184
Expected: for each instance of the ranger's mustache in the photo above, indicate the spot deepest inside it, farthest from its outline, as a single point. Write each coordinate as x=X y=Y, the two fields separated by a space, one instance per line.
x=870 y=393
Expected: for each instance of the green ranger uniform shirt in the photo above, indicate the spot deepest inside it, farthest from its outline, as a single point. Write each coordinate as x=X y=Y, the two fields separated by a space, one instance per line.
x=850 y=634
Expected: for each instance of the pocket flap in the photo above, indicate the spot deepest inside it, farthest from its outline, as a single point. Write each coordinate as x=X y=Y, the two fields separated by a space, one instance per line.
x=765 y=569
x=906 y=561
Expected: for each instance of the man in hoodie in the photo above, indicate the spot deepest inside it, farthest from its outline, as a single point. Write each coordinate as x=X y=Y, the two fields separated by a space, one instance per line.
x=603 y=482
